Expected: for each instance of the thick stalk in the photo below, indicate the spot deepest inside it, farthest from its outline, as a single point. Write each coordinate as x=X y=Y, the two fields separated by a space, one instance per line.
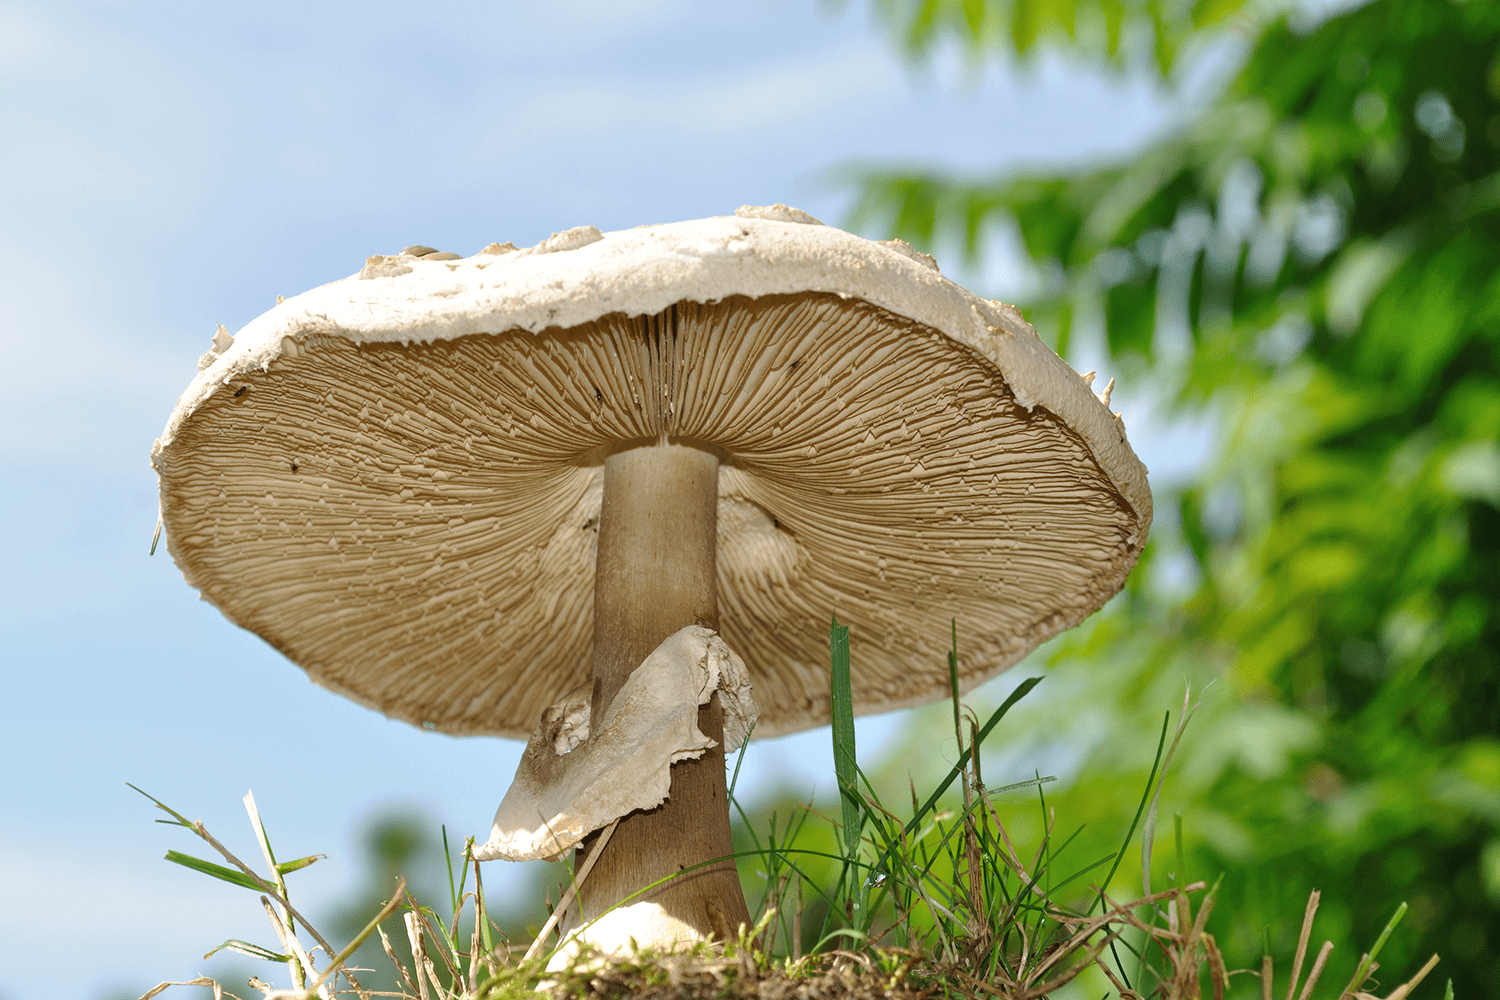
x=657 y=538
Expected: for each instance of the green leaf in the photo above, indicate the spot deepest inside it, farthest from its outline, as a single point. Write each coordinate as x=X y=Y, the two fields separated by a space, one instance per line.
x=1064 y=14
x=1026 y=24
x=1130 y=318
x=974 y=18
x=1114 y=22
x=1163 y=42
x=920 y=31
x=1210 y=12
x=217 y=871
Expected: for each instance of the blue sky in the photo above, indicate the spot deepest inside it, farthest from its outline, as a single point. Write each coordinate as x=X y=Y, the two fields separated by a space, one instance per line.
x=167 y=167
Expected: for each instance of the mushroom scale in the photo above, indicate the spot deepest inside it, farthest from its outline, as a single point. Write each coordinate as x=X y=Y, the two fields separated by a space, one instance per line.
x=415 y=523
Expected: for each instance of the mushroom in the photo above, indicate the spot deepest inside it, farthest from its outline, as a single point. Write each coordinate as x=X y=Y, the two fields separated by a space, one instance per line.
x=457 y=489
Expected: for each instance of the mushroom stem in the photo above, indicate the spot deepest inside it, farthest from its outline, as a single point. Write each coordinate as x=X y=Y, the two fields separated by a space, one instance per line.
x=656 y=574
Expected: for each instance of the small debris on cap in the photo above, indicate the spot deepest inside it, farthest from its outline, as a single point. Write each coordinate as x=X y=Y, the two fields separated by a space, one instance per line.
x=221 y=343
x=777 y=213
x=905 y=249
x=570 y=239
x=428 y=253
x=380 y=266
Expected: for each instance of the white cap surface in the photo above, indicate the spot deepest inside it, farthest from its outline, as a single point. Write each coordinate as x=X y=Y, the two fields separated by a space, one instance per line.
x=395 y=478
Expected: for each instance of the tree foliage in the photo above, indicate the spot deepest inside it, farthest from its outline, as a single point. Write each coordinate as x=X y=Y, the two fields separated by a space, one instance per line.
x=1315 y=263
x=1104 y=28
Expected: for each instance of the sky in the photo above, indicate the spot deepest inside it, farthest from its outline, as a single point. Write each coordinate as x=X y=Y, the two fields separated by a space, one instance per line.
x=170 y=166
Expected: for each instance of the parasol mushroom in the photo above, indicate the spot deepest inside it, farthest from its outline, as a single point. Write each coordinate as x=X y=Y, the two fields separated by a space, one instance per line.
x=458 y=489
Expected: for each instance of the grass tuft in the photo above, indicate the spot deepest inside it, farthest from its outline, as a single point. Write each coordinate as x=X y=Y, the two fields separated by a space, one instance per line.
x=940 y=903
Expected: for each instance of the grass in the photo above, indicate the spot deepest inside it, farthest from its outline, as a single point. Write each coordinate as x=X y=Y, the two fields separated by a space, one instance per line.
x=938 y=903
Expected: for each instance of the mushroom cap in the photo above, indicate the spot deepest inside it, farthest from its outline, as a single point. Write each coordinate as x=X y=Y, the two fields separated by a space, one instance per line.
x=395 y=478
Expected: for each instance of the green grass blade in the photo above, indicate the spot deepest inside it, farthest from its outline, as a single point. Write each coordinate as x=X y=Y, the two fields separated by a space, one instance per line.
x=178 y=819
x=448 y=862
x=217 y=871
x=1148 y=831
x=1181 y=858
x=958 y=729
x=1072 y=837
x=287 y=867
x=745 y=818
x=463 y=869
x=253 y=950
x=1017 y=786
x=1385 y=934
x=848 y=932
x=1020 y=692
x=481 y=914
x=1145 y=798
x=1367 y=960
x=336 y=963
x=1079 y=874
x=844 y=764
x=1046 y=852
x=740 y=759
